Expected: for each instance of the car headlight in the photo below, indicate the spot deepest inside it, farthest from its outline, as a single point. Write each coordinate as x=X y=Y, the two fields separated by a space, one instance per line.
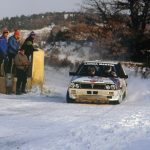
x=107 y=87
x=72 y=85
x=75 y=85
x=113 y=87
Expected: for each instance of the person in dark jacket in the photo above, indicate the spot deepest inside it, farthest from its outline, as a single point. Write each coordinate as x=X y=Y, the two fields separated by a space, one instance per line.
x=4 y=49
x=28 y=45
x=13 y=47
x=22 y=63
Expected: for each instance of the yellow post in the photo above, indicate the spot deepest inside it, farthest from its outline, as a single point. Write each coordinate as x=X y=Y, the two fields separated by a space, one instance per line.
x=38 y=68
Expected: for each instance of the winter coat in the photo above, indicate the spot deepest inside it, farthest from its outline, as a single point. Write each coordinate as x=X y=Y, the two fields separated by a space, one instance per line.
x=3 y=47
x=13 y=45
x=28 y=46
x=21 y=61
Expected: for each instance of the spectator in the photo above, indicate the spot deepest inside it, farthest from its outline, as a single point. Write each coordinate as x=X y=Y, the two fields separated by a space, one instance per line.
x=22 y=64
x=144 y=72
x=28 y=45
x=136 y=70
x=4 y=49
x=13 y=47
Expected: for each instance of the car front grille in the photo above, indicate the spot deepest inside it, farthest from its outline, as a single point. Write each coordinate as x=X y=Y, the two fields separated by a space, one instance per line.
x=92 y=86
x=86 y=86
x=99 y=86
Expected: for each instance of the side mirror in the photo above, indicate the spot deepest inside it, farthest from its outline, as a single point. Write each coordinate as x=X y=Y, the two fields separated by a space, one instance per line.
x=72 y=73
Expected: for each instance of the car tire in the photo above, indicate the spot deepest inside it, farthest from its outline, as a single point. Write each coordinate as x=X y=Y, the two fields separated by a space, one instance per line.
x=120 y=100
x=68 y=99
x=117 y=101
x=124 y=95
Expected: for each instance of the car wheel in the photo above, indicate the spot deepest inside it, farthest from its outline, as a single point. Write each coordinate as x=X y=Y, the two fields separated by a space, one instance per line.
x=124 y=95
x=68 y=99
x=120 y=100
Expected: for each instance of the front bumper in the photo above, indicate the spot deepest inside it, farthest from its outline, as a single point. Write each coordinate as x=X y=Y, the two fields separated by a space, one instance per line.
x=94 y=96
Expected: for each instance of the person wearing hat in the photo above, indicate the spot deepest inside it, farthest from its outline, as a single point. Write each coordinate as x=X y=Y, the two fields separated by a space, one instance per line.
x=13 y=47
x=22 y=64
x=28 y=45
x=4 y=49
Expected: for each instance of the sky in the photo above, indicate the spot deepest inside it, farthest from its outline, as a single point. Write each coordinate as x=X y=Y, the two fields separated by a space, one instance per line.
x=10 y=8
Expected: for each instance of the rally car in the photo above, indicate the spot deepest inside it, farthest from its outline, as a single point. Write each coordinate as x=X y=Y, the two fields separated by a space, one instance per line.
x=97 y=82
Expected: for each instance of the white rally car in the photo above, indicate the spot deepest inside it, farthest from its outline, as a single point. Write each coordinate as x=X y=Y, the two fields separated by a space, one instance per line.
x=97 y=82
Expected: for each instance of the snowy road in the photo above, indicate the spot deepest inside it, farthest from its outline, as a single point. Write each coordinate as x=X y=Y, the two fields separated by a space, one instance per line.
x=47 y=122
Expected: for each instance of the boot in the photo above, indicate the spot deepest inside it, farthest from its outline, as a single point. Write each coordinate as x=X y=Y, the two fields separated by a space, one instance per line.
x=18 y=92
x=23 y=91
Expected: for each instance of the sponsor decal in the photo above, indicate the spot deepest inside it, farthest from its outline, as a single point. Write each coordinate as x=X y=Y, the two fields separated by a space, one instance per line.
x=98 y=63
x=93 y=81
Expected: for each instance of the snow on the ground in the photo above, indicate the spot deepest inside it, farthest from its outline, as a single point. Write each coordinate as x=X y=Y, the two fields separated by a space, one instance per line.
x=47 y=122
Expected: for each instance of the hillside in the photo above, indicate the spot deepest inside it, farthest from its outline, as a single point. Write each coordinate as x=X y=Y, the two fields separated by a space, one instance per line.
x=37 y=21
x=113 y=40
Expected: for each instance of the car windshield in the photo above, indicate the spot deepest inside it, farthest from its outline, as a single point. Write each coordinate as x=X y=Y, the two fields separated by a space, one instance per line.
x=97 y=70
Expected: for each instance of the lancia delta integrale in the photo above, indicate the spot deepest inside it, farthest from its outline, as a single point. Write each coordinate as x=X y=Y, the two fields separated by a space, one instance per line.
x=97 y=82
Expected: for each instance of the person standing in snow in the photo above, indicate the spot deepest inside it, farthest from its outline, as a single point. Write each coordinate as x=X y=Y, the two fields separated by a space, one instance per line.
x=144 y=72
x=22 y=64
x=28 y=45
x=13 y=47
x=4 y=49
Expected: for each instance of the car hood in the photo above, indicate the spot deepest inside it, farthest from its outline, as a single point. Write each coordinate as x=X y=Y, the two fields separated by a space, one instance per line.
x=95 y=79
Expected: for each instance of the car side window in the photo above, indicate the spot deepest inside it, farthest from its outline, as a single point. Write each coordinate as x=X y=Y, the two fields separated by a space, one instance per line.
x=119 y=70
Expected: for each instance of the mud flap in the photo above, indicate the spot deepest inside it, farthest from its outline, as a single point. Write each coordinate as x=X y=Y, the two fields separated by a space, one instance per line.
x=38 y=68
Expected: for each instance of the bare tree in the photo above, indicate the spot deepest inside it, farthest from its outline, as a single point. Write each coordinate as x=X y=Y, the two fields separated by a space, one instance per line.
x=123 y=20
x=137 y=10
